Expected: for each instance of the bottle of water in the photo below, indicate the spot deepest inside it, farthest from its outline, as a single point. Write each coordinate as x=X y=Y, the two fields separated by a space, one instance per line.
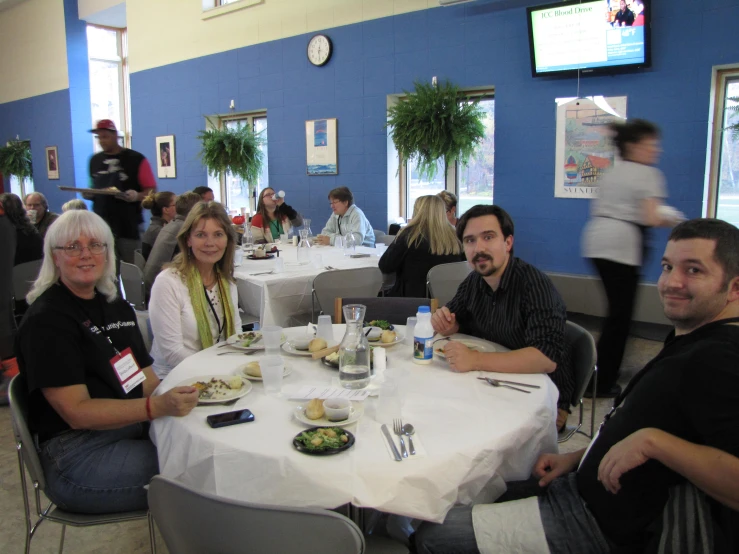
x=354 y=350
x=278 y=195
x=423 y=337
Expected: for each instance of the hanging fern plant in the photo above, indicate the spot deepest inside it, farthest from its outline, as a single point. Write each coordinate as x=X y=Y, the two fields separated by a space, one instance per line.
x=233 y=150
x=15 y=159
x=733 y=113
x=436 y=122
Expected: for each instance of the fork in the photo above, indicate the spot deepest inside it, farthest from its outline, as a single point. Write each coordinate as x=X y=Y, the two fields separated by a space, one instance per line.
x=398 y=430
x=330 y=267
x=263 y=273
x=244 y=353
x=497 y=383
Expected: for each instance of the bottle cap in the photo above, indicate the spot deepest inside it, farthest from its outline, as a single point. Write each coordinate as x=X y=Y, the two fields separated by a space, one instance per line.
x=424 y=309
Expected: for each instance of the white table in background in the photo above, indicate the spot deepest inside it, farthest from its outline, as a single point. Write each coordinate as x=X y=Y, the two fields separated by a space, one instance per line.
x=472 y=433
x=285 y=298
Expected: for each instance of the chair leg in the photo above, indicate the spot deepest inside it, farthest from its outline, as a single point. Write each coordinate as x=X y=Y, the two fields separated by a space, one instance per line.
x=61 y=541
x=26 y=502
x=152 y=533
x=592 y=413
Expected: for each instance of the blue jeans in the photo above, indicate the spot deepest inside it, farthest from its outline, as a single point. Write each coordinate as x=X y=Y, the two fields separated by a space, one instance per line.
x=568 y=524
x=99 y=471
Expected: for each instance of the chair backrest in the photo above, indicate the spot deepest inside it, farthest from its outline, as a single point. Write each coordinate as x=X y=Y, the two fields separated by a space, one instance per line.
x=444 y=279
x=394 y=309
x=193 y=522
x=379 y=233
x=23 y=277
x=18 y=398
x=387 y=240
x=365 y=281
x=583 y=356
x=144 y=323
x=133 y=285
x=139 y=260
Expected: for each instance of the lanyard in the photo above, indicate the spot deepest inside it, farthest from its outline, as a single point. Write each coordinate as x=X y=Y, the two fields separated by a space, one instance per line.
x=103 y=329
x=212 y=309
x=338 y=220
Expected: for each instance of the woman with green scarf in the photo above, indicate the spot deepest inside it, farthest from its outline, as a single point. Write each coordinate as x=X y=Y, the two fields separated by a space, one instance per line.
x=194 y=303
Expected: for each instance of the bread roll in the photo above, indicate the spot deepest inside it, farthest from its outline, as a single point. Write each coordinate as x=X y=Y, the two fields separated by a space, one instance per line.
x=235 y=383
x=314 y=409
x=253 y=369
x=317 y=344
x=388 y=336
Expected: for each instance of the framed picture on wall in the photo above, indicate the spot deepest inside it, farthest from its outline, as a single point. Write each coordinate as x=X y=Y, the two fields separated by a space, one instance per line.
x=52 y=162
x=165 y=157
x=320 y=147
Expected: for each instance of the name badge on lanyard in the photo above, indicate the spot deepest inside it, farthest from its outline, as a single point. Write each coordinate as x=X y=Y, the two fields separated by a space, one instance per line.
x=127 y=370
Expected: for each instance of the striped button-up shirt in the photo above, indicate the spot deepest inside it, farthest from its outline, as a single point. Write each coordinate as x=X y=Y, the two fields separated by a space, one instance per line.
x=526 y=310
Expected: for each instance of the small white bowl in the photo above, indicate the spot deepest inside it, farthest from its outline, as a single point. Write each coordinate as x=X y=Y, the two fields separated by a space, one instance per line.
x=374 y=333
x=301 y=342
x=337 y=409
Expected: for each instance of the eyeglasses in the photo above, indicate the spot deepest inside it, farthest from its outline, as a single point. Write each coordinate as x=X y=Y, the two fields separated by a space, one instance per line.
x=75 y=250
x=334 y=202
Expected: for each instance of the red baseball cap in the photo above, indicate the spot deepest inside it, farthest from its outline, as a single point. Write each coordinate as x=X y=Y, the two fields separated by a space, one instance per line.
x=104 y=125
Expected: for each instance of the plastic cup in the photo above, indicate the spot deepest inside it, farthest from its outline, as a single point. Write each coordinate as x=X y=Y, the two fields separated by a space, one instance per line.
x=31 y=215
x=325 y=329
x=410 y=326
x=272 y=336
x=317 y=260
x=238 y=257
x=273 y=368
x=339 y=241
x=279 y=265
x=283 y=238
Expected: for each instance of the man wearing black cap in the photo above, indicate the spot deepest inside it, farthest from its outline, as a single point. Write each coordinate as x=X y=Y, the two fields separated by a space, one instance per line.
x=129 y=172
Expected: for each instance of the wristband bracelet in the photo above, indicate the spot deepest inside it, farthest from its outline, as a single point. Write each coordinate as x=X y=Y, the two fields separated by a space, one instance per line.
x=148 y=408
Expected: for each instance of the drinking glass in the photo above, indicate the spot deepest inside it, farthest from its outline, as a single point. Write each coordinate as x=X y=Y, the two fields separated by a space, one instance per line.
x=272 y=337
x=273 y=368
x=410 y=326
x=284 y=238
x=238 y=257
x=279 y=265
x=338 y=241
x=324 y=329
x=350 y=244
x=317 y=260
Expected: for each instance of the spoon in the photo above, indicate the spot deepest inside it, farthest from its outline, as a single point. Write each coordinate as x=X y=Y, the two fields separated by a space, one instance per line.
x=408 y=430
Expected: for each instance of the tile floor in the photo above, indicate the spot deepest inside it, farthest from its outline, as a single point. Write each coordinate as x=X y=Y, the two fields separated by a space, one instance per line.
x=132 y=538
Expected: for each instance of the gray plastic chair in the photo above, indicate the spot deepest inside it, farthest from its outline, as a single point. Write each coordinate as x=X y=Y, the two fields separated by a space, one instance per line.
x=393 y=309
x=443 y=280
x=378 y=234
x=139 y=260
x=365 y=281
x=584 y=357
x=386 y=240
x=133 y=285
x=194 y=522
x=28 y=459
x=24 y=276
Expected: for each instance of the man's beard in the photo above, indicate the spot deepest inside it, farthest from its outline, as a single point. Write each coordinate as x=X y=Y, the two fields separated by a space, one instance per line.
x=484 y=273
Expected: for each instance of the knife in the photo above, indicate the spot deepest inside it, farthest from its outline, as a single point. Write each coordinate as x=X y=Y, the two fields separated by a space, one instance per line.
x=396 y=454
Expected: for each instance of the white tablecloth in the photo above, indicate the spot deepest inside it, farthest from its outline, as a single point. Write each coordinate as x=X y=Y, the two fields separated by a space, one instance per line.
x=285 y=298
x=473 y=434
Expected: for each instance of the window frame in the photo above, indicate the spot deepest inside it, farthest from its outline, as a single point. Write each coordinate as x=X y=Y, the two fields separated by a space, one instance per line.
x=452 y=173
x=722 y=76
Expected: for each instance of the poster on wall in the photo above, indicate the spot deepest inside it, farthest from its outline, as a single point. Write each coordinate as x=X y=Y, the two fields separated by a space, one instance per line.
x=165 y=157
x=320 y=147
x=583 y=146
x=52 y=162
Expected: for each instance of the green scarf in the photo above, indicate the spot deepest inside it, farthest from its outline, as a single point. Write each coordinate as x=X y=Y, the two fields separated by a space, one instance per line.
x=200 y=305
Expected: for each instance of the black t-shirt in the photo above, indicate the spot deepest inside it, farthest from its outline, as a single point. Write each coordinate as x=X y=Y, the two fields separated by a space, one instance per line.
x=62 y=342
x=690 y=390
x=122 y=171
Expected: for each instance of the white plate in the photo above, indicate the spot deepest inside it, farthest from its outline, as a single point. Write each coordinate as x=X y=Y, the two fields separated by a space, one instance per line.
x=235 y=340
x=354 y=415
x=287 y=370
x=478 y=345
x=290 y=349
x=398 y=338
x=226 y=395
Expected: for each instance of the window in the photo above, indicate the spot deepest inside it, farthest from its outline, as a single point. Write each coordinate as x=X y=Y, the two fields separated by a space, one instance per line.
x=21 y=189
x=472 y=184
x=234 y=191
x=214 y=8
x=109 y=91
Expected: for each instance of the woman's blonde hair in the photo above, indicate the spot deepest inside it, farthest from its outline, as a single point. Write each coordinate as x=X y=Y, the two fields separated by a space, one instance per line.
x=206 y=210
x=68 y=228
x=430 y=222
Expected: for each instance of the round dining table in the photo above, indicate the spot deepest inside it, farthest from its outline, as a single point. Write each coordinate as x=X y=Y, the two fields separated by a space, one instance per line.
x=470 y=437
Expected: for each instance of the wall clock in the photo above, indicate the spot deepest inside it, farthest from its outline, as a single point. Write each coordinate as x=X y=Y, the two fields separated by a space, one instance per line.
x=319 y=50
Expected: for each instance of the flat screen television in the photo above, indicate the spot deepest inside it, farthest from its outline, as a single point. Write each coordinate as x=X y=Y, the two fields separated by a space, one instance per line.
x=604 y=36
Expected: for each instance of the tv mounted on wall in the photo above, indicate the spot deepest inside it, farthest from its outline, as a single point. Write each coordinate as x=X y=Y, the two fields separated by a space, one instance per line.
x=604 y=36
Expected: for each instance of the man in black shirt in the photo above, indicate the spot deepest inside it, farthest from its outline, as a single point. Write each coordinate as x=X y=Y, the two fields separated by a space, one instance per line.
x=624 y=17
x=677 y=423
x=508 y=301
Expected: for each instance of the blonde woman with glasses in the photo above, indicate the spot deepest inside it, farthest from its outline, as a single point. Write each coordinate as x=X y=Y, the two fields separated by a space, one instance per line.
x=428 y=240
x=194 y=303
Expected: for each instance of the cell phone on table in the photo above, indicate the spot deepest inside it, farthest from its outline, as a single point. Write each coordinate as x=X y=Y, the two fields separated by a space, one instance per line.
x=359 y=256
x=230 y=418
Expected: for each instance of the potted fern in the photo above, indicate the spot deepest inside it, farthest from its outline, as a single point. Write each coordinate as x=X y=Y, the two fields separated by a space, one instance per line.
x=15 y=159
x=233 y=150
x=436 y=122
x=733 y=112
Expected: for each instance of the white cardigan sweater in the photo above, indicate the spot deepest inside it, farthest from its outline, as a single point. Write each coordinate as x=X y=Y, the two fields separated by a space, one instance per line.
x=173 y=321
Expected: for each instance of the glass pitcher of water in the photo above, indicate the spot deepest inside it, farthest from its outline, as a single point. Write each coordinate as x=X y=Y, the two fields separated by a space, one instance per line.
x=247 y=241
x=304 y=247
x=354 y=350
x=306 y=227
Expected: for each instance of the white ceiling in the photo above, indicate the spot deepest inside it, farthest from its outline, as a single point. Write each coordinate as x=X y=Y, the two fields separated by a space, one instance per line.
x=114 y=16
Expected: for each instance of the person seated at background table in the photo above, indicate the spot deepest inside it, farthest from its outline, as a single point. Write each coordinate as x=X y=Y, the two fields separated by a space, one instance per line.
x=74 y=204
x=93 y=441
x=194 y=302
x=29 y=246
x=163 y=210
x=426 y=241
x=664 y=467
x=508 y=301
x=44 y=218
x=206 y=193
x=450 y=201
x=273 y=218
x=165 y=246
x=347 y=218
